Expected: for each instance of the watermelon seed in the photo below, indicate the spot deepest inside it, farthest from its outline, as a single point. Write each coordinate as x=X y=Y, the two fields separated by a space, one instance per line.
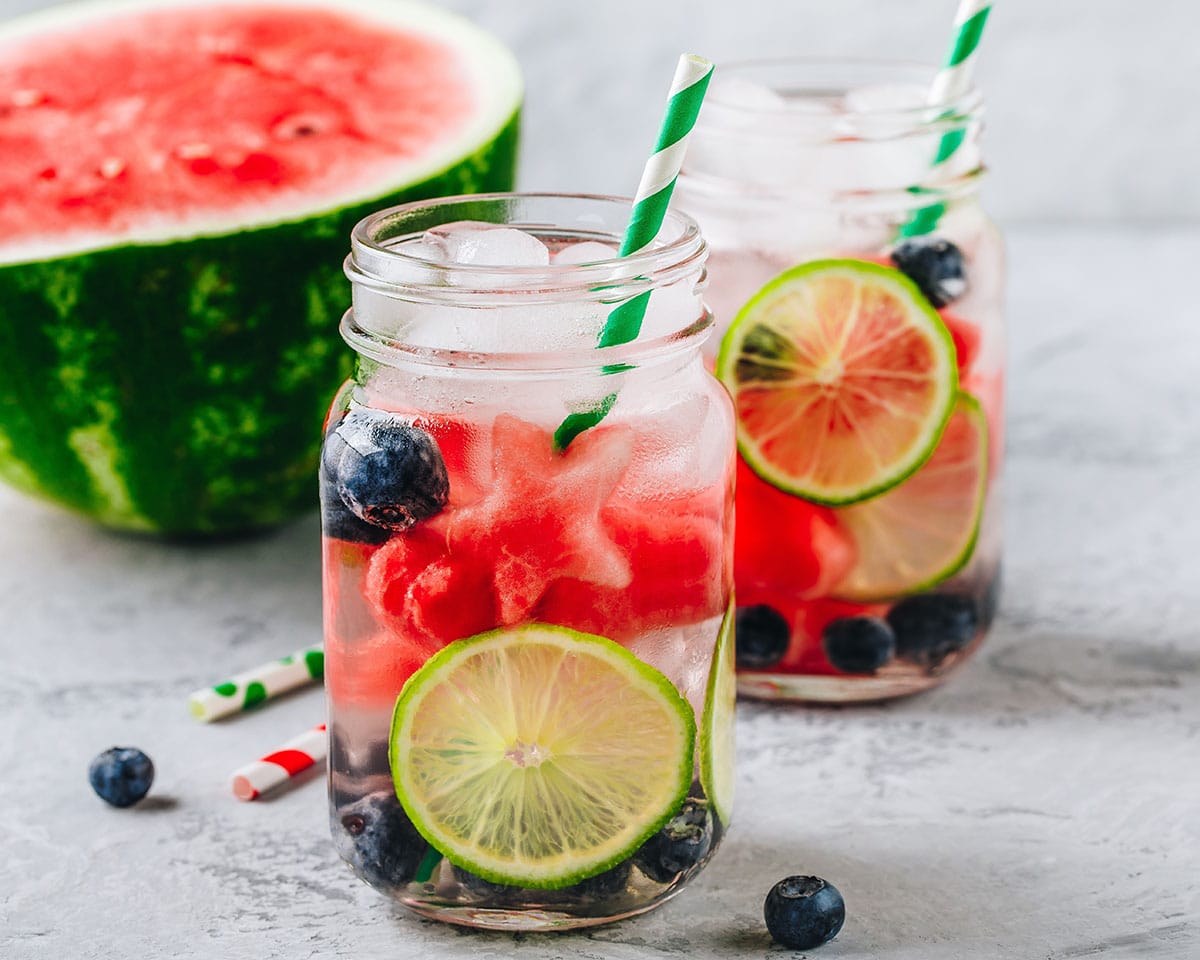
x=111 y=168
x=291 y=128
x=193 y=151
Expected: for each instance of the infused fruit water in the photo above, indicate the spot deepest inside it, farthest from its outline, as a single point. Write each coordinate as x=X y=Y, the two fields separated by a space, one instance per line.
x=857 y=287
x=529 y=655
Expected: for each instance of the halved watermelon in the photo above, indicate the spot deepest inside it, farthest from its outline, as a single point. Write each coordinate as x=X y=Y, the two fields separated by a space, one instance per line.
x=178 y=187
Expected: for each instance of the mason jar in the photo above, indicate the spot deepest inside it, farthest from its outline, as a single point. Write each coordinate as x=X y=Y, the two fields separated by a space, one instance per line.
x=858 y=291
x=527 y=565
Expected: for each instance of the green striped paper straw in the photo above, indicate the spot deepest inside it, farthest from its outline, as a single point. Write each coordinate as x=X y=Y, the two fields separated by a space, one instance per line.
x=264 y=682
x=951 y=82
x=650 y=204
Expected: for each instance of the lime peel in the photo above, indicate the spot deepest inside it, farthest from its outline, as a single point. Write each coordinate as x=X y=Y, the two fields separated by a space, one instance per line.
x=893 y=560
x=539 y=756
x=717 y=732
x=794 y=356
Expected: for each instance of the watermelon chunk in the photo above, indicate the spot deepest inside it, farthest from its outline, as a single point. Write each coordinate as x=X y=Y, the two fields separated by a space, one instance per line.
x=425 y=596
x=540 y=520
x=967 y=340
x=179 y=184
x=676 y=554
x=553 y=539
x=783 y=541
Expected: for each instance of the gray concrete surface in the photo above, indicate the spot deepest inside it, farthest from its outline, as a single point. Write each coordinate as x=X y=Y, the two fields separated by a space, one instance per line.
x=1042 y=806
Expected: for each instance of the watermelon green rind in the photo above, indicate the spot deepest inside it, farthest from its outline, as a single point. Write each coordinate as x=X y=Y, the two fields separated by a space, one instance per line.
x=140 y=385
x=179 y=386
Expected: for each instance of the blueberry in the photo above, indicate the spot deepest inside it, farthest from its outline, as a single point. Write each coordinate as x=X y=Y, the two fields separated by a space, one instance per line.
x=604 y=886
x=762 y=634
x=386 y=471
x=931 y=626
x=858 y=644
x=682 y=843
x=375 y=835
x=121 y=775
x=936 y=266
x=804 y=912
x=479 y=887
x=339 y=523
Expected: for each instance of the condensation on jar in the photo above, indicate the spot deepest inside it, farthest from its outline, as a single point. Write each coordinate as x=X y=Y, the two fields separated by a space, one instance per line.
x=886 y=587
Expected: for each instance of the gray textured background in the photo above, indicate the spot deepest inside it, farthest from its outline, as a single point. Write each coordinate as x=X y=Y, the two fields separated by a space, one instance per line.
x=1092 y=110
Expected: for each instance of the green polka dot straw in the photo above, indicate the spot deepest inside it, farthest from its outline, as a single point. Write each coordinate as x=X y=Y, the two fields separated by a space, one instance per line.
x=256 y=686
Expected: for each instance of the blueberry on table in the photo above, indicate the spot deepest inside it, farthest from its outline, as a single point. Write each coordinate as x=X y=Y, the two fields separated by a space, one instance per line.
x=387 y=472
x=804 y=912
x=936 y=266
x=858 y=644
x=121 y=776
x=682 y=843
x=762 y=637
x=376 y=836
x=931 y=626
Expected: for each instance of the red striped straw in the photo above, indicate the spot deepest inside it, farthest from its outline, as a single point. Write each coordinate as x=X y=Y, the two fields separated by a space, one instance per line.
x=280 y=766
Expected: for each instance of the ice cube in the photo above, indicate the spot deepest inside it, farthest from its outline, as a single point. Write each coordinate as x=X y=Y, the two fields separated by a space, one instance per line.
x=670 y=309
x=669 y=458
x=757 y=136
x=745 y=94
x=663 y=648
x=486 y=244
x=587 y=251
x=885 y=97
x=882 y=111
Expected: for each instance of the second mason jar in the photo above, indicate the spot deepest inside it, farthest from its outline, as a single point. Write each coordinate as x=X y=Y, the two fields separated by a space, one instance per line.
x=857 y=285
x=527 y=566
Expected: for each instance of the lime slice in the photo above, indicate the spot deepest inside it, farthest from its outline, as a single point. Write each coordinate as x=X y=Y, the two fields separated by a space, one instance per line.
x=717 y=747
x=539 y=756
x=843 y=377
x=925 y=530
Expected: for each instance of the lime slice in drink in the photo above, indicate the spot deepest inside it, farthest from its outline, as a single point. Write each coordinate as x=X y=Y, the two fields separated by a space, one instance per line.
x=924 y=530
x=717 y=724
x=843 y=377
x=538 y=756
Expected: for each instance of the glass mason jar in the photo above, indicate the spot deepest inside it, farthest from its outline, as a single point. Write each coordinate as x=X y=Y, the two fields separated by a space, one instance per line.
x=858 y=290
x=555 y=609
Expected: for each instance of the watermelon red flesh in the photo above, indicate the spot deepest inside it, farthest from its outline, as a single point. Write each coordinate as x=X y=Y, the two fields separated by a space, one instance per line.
x=194 y=116
x=165 y=363
x=785 y=542
x=550 y=542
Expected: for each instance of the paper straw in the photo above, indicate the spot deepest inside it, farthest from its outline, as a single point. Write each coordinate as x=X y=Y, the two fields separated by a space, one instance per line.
x=952 y=82
x=255 y=686
x=277 y=768
x=650 y=204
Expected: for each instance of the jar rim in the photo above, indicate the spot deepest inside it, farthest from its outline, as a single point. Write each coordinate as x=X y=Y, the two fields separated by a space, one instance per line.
x=678 y=249
x=965 y=105
x=677 y=254
x=803 y=142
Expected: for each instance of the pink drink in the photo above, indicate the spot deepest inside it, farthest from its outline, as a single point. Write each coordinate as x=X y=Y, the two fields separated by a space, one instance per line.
x=795 y=165
x=623 y=539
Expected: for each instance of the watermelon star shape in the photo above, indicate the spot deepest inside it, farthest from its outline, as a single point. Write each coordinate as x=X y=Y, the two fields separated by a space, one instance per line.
x=540 y=519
